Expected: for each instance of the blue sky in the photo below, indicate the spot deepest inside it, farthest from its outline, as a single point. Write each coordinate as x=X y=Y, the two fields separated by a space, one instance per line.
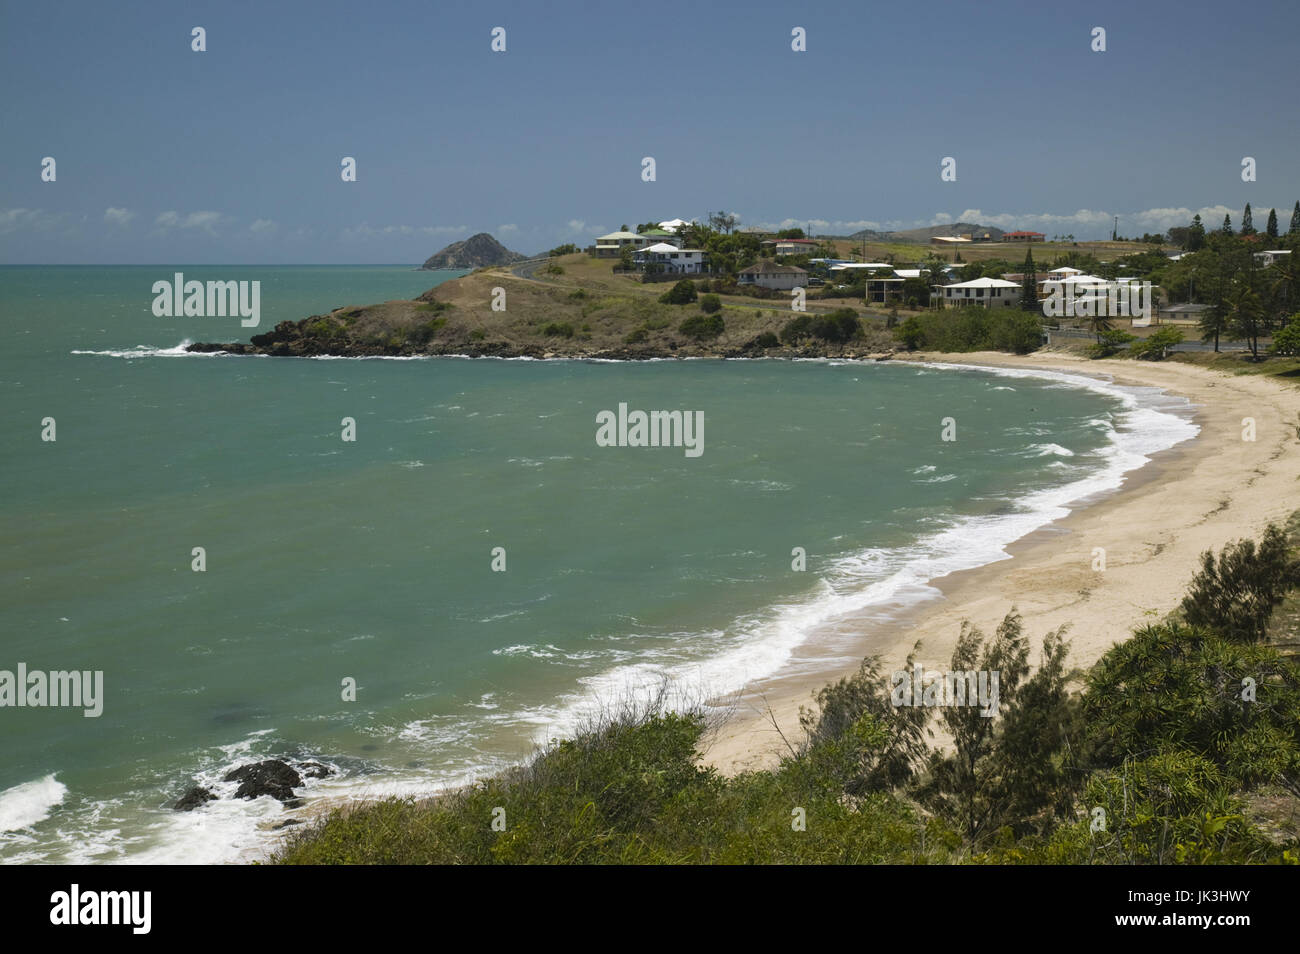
x=233 y=155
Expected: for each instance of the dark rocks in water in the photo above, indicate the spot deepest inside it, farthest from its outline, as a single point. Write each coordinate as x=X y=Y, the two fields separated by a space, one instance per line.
x=288 y=822
x=315 y=770
x=196 y=796
x=270 y=777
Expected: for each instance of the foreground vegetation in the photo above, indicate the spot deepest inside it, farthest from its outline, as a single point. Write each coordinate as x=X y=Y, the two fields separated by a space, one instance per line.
x=1180 y=746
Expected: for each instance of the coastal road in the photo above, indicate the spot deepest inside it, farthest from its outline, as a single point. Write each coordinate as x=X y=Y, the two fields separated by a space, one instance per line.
x=525 y=269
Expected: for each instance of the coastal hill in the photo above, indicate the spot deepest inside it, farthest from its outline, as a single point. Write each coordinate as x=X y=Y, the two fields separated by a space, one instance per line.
x=574 y=306
x=477 y=251
x=923 y=235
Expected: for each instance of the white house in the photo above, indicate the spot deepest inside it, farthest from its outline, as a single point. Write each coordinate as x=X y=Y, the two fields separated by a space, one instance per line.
x=989 y=292
x=1271 y=256
x=673 y=259
x=609 y=246
x=792 y=246
x=772 y=275
x=672 y=225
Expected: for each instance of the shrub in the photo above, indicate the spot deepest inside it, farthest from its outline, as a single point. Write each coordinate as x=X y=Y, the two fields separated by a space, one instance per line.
x=558 y=329
x=702 y=327
x=1109 y=342
x=1154 y=347
x=765 y=340
x=1179 y=687
x=796 y=329
x=1286 y=340
x=567 y=249
x=836 y=327
x=423 y=334
x=1235 y=594
x=636 y=336
x=710 y=304
x=683 y=293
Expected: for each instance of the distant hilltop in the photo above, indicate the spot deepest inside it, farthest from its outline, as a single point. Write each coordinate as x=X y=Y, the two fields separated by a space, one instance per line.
x=925 y=234
x=477 y=251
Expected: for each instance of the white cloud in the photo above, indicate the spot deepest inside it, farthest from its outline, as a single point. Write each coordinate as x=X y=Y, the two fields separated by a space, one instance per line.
x=263 y=226
x=203 y=221
x=118 y=216
x=17 y=220
x=508 y=228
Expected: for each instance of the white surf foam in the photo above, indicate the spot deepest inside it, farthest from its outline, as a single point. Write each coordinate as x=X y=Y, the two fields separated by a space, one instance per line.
x=25 y=805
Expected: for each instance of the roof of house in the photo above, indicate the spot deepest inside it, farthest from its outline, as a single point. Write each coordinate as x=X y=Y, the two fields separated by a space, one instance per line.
x=1005 y=234
x=1066 y=270
x=615 y=236
x=672 y=225
x=771 y=268
x=984 y=283
x=794 y=241
x=948 y=238
x=1186 y=306
x=661 y=247
x=657 y=232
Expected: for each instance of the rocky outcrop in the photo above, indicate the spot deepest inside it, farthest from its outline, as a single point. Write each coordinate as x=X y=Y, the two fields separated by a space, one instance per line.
x=196 y=796
x=271 y=777
x=477 y=251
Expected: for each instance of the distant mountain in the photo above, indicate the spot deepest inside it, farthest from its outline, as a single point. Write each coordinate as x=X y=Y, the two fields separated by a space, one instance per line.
x=925 y=234
x=477 y=251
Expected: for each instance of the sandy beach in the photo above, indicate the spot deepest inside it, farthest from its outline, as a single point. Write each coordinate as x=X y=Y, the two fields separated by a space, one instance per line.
x=1199 y=495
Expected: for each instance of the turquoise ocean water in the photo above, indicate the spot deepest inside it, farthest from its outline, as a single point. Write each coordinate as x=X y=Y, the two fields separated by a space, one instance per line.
x=372 y=560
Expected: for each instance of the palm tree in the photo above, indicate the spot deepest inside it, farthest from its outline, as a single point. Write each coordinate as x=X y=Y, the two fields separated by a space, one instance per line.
x=1286 y=275
x=1245 y=315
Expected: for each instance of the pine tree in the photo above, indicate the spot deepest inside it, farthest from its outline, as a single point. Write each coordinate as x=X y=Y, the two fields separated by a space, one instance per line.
x=1227 y=225
x=1295 y=220
x=1196 y=235
x=1029 y=285
x=1271 y=228
x=1247 y=223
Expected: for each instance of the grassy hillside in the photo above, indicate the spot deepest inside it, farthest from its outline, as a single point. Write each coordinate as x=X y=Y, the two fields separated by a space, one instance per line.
x=573 y=306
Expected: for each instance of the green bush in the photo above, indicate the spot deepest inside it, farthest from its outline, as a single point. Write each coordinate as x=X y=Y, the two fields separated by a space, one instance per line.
x=1109 y=342
x=636 y=336
x=710 y=304
x=558 y=329
x=683 y=293
x=1286 y=340
x=1236 y=593
x=766 y=340
x=422 y=334
x=1153 y=347
x=836 y=327
x=971 y=329
x=702 y=327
